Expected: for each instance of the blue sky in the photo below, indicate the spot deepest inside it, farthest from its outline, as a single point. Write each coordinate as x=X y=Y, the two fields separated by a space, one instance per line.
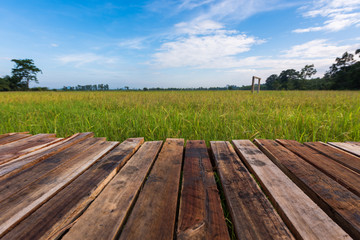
x=188 y=43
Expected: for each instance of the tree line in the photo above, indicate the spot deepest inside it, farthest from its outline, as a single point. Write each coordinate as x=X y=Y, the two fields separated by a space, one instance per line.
x=344 y=74
x=95 y=87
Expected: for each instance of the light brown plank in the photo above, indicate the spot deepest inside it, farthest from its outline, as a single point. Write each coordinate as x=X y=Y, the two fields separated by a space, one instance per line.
x=26 y=145
x=15 y=208
x=305 y=219
x=57 y=214
x=19 y=164
x=13 y=138
x=340 y=204
x=107 y=213
x=154 y=213
x=201 y=215
x=348 y=147
x=342 y=157
x=16 y=182
x=252 y=215
x=355 y=143
x=333 y=169
x=6 y=135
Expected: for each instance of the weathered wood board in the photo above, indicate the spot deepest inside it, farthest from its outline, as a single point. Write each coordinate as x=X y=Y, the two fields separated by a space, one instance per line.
x=349 y=147
x=24 y=202
x=106 y=215
x=15 y=166
x=340 y=204
x=349 y=160
x=154 y=213
x=25 y=145
x=59 y=213
x=252 y=214
x=13 y=137
x=201 y=215
x=333 y=169
x=305 y=219
x=20 y=180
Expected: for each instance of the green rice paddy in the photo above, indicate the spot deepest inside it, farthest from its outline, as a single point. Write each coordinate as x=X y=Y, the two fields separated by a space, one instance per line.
x=209 y=115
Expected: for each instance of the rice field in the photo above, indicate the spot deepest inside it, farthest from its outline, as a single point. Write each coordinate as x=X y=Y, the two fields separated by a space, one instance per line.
x=209 y=115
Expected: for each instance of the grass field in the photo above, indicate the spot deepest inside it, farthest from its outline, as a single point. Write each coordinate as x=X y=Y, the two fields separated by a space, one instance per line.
x=209 y=115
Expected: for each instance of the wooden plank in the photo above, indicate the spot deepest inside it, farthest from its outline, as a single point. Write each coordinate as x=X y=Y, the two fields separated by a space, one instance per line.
x=21 y=204
x=19 y=164
x=154 y=213
x=333 y=169
x=6 y=135
x=340 y=204
x=201 y=215
x=252 y=215
x=56 y=215
x=26 y=145
x=305 y=219
x=342 y=157
x=15 y=183
x=348 y=147
x=355 y=143
x=13 y=138
x=107 y=213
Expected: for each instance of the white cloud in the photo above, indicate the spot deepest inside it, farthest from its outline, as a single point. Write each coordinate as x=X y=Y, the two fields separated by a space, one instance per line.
x=203 y=45
x=318 y=48
x=339 y=14
x=136 y=43
x=54 y=45
x=191 y=4
x=84 y=58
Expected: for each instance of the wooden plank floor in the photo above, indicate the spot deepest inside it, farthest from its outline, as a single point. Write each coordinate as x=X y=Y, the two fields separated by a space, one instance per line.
x=82 y=187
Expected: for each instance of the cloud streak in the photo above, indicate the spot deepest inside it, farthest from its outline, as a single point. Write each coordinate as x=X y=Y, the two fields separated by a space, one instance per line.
x=339 y=14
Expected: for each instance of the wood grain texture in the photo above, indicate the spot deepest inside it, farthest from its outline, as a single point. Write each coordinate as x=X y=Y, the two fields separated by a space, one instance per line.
x=201 y=215
x=16 y=182
x=348 y=147
x=13 y=138
x=339 y=203
x=106 y=215
x=305 y=219
x=333 y=169
x=19 y=164
x=349 y=160
x=25 y=145
x=21 y=204
x=252 y=215
x=154 y=213
x=57 y=214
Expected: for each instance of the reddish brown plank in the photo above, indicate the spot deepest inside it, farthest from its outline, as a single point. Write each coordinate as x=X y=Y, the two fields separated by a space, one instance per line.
x=342 y=157
x=333 y=169
x=16 y=182
x=19 y=164
x=201 y=215
x=6 y=135
x=305 y=219
x=13 y=138
x=340 y=204
x=348 y=147
x=107 y=214
x=26 y=145
x=57 y=214
x=154 y=213
x=21 y=204
x=252 y=215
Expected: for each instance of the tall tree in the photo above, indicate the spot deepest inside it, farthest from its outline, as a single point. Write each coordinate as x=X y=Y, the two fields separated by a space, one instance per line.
x=308 y=71
x=25 y=71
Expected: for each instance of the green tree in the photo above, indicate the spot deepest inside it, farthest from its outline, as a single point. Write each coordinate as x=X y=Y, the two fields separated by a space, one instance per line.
x=308 y=71
x=25 y=71
x=5 y=83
